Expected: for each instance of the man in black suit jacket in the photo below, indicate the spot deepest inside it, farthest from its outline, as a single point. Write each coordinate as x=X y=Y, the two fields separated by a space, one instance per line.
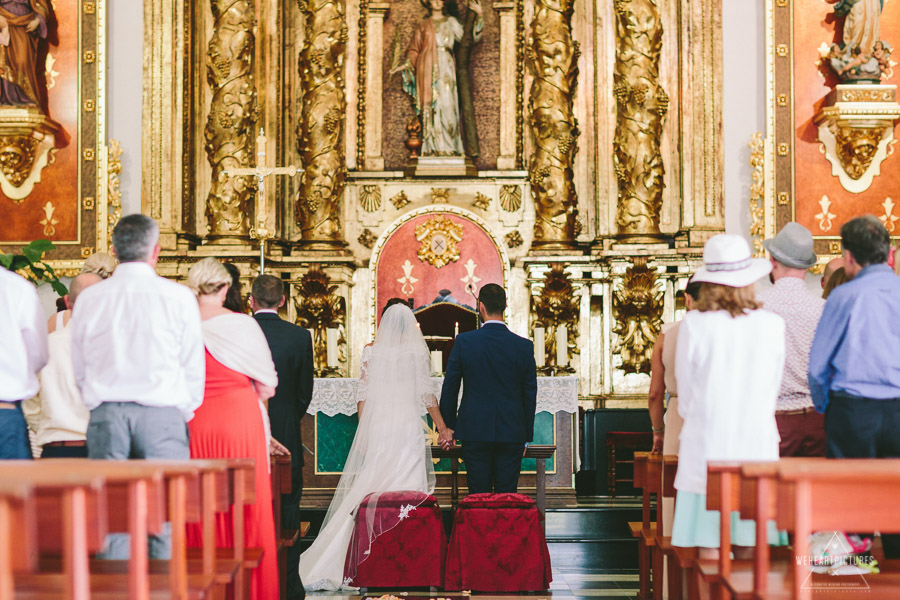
x=495 y=420
x=292 y=353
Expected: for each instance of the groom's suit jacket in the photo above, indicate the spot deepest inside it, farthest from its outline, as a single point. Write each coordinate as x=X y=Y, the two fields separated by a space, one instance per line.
x=292 y=353
x=497 y=370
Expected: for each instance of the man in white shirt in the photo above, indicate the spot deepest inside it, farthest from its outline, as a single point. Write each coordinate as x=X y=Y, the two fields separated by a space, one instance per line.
x=137 y=352
x=57 y=415
x=23 y=353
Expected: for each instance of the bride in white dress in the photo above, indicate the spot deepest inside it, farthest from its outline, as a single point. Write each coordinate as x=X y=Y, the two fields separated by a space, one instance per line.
x=389 y=452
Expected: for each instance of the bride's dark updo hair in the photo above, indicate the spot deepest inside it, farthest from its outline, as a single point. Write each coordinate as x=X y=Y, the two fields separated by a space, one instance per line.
x=392 y=302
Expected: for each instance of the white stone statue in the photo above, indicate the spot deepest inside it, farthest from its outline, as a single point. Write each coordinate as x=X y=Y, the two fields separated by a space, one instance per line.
x=429 y=75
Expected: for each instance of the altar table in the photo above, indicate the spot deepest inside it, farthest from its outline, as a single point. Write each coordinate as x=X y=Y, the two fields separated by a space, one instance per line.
x=330 y=424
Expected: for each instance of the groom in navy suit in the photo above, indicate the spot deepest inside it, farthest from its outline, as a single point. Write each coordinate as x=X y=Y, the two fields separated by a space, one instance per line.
x=495 y=420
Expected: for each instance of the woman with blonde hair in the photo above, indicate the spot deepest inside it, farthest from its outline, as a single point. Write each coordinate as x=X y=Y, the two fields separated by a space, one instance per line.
x=98 y=263
x=230 y=424
x=729 y=364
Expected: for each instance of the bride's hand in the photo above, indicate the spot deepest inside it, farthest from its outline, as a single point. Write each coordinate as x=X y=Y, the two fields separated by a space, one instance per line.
x=276 y=448
x=445 y=438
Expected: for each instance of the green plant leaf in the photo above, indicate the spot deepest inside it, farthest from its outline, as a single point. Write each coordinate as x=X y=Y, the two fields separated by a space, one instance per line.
x=58 y=287
x=6 y=260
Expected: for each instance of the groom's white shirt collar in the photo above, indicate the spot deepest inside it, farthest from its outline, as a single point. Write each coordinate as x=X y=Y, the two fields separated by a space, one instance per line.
x=494 y=322
x=266 y=310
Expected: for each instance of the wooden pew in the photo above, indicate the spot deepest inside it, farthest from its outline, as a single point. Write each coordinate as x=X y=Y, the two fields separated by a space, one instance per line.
x=16 y=502
x=647 y=478
x=78 y=519
x=668 y=559
x=284 y=537
x=841 y=495
x=135 y=488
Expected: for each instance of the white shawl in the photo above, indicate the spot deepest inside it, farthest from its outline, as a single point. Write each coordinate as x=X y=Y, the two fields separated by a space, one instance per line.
x=236 y=341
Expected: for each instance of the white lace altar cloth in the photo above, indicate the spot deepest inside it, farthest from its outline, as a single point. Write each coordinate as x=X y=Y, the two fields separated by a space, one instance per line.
x=337 y=396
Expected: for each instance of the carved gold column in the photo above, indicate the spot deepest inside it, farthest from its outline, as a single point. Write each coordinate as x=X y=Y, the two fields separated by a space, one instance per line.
x=377 y=11
x=230 y=128
x=554 y=61
x=320 y=139
x=641 y=109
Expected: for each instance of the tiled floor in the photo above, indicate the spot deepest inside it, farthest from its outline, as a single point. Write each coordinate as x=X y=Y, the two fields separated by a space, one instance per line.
x=565 y=586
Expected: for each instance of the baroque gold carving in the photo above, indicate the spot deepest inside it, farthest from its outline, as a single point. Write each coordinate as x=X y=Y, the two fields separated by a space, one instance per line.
x=367 y=238
x=554 y=131
x=757 y=192
x=481 y=201
x=370 y=198
x=439 y=237
x=876 y=94
x=17 y=156
x=319 y=309
x=510 y=198
x=514 y=239
x=320 y=139
x=113 y=187
x=230 y=127
x=400 y=200
x=440 y=195
x=520 y=84
x=856 y=148
x=554 y=305
x=637 y=307
x=642 y=105
x=362 y=75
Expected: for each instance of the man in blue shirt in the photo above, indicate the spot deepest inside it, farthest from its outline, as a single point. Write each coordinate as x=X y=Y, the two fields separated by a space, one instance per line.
x=854 y=373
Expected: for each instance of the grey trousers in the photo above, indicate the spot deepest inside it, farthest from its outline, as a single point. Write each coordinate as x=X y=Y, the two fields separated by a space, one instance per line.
x=127 y=430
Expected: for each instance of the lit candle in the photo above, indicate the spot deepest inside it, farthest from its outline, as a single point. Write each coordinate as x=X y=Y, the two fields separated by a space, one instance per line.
x=456 y=329
x=437 y=361
x=540 y=357
x=331 y=341
x=562 y=346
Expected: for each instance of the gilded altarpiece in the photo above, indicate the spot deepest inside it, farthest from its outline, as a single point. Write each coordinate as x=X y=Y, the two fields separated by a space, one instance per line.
x=832 y=115
x=54 y=175
x=566 y=117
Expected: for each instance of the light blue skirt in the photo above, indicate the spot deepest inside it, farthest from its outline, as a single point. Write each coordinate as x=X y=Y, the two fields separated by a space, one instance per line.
x=695 y=526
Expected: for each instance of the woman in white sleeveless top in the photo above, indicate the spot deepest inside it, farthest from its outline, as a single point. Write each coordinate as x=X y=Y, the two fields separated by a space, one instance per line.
x=664 y=415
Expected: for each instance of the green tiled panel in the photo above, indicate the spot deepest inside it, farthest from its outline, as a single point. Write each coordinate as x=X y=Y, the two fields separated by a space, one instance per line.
x=334 y=436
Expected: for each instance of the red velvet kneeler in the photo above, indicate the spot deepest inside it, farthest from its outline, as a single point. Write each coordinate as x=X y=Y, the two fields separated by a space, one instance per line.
x=410 y=554
x=498 y=545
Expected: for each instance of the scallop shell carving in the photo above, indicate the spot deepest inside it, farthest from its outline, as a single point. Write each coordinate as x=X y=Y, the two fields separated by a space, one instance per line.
x=510 y=198
x=370 y=198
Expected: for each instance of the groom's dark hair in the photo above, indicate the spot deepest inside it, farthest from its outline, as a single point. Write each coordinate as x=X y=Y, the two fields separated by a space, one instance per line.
x=494 y=298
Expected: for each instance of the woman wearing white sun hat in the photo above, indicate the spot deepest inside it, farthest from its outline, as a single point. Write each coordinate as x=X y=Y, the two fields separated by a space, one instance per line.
x=730 y=359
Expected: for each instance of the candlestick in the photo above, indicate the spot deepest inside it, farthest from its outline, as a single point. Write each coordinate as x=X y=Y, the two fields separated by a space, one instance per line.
x=331 y=349
x=437 y=361
x=540 y=357
x=562 y=346
x=456 y=329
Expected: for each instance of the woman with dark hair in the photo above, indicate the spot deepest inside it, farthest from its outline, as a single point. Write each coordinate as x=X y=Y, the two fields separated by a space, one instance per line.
x=729 y=364
x=234 y=298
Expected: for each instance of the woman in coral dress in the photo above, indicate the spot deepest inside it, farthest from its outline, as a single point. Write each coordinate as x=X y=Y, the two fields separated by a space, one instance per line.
x=231 y=422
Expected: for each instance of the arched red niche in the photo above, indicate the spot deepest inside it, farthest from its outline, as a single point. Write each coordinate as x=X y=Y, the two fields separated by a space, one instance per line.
x=476 y=245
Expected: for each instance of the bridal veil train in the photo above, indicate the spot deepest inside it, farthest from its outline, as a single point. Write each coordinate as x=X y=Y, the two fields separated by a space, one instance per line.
x=389 y=452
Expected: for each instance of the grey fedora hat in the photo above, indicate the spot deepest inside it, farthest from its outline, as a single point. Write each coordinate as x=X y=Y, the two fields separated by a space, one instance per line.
x=792 y=247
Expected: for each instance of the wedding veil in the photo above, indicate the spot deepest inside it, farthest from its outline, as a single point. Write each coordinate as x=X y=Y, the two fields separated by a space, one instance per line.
x=389 y=451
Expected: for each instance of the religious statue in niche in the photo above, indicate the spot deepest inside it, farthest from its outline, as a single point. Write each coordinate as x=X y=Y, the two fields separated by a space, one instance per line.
x=28 y=137
x=861 y=56
x=435 y=73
